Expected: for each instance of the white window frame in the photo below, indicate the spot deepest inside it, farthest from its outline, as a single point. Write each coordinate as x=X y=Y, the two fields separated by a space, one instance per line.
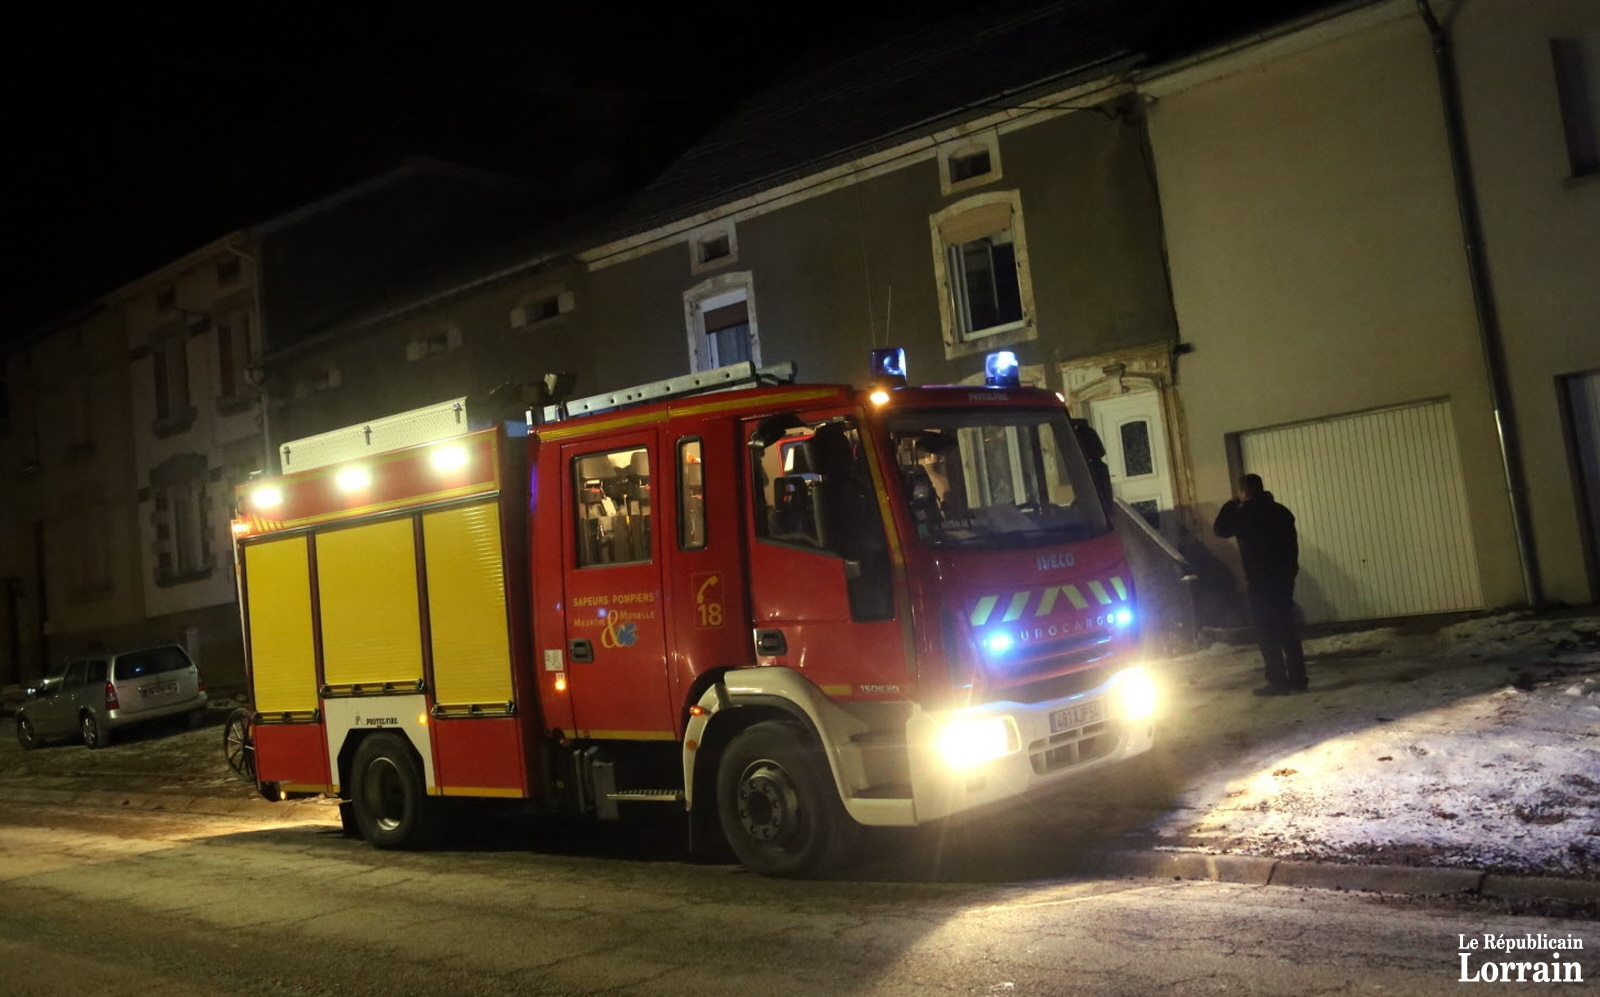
x=710 y=233
x=954 y=226
x=709 y=295
x=962 y=148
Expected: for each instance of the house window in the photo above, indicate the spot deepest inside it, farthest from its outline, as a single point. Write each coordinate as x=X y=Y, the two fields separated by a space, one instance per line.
x=971 y=161
x=981 y=269
x=233 y=354
x=1577 y=65
x=167 y=299
x=713 y=247
x=317 y=378
x=89 y=558
x=543 y=306
x=79 y=413
x=227 y=271
x=722 y=323
x=182 y=519
x=436 y=342
x=170 y=367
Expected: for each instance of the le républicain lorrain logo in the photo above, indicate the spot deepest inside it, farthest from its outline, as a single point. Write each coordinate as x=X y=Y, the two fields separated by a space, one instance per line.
x=1492 y=958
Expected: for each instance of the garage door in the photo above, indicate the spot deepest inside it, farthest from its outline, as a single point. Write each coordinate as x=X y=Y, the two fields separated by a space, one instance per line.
x=1381 y=509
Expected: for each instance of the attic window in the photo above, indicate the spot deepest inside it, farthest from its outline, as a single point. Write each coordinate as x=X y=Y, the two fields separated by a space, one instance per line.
x=228 y=270
x=1577 y=65
x=544 y=305
x=713 y=247
x=971 y=161
x=168 y=299
x=433 y=343
x=967 y=167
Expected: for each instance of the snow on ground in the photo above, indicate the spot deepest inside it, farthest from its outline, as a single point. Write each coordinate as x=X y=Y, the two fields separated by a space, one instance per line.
x=1477 y=746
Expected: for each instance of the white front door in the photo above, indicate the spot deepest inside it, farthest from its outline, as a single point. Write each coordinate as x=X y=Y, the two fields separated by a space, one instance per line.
x=1135 y=436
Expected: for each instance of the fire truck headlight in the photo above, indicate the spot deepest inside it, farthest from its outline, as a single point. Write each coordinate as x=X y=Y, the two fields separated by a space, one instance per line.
x=968 y=743
x=1135 y=693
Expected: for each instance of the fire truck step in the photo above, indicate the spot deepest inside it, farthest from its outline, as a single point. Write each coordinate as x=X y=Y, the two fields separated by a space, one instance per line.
x=647 y=795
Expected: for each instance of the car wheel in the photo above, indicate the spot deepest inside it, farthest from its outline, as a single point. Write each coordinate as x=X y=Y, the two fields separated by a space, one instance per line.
x=95 y=735
x=237 y=747
x=392 y=806
x=26 y=735
x=779 y=808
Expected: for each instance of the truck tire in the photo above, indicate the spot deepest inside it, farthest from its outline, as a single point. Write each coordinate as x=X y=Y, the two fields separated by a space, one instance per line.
x=392 y=806
x=779 y=809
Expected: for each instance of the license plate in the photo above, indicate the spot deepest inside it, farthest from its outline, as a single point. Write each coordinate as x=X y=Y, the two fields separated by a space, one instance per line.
x=159 y=689
x=1077 y=716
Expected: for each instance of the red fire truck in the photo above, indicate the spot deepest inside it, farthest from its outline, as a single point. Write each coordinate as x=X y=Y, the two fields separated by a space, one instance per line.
x=790 y=610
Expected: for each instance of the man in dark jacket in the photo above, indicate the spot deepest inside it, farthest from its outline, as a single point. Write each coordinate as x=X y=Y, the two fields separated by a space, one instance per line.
x=1270 y=550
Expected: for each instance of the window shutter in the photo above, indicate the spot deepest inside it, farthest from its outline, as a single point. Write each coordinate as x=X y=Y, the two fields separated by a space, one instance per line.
x=727 y=317
x=986 y=219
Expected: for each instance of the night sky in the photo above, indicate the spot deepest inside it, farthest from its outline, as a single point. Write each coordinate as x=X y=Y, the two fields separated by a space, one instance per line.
x=138 y=134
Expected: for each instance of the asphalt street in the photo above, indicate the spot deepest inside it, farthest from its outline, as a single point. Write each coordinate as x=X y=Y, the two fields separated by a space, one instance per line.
x=150 y=902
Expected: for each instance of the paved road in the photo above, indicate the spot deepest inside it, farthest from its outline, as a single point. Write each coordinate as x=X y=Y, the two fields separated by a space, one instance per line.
x=149 y=903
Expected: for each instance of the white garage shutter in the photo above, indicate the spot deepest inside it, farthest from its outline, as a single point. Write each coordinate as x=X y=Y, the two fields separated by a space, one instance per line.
x=1381 y=510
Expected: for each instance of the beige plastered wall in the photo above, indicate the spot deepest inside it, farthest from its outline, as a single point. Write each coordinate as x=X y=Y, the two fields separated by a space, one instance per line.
x=1317 y=263
x=1541 y=233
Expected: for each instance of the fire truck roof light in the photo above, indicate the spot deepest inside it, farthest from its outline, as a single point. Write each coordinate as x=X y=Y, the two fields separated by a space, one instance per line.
x=889 y=367
x=354 y=479
x=1000 y=370
x=267 y=497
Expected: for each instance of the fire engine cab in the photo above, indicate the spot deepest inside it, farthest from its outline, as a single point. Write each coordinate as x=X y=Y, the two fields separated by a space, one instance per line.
x=791 y=610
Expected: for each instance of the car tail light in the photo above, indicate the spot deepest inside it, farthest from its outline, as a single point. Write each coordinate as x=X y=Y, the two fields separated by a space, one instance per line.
x=202 y=682
x=111 y=697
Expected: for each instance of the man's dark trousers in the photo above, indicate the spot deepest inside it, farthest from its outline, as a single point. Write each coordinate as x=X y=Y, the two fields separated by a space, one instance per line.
x=1272 y=612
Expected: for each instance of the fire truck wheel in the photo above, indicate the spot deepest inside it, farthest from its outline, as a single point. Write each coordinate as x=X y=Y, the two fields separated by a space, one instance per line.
x=779 y=808
x=392 y=807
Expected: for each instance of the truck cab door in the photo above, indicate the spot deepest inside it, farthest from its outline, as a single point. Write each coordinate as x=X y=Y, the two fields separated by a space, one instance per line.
x=821 y=590
x=619 y=684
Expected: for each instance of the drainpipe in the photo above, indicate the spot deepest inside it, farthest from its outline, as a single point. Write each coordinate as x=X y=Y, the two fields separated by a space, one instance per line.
x=258 y=374
x=1483 y=303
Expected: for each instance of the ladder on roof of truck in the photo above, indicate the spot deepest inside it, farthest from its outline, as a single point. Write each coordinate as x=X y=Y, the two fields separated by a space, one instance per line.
x=739 y=375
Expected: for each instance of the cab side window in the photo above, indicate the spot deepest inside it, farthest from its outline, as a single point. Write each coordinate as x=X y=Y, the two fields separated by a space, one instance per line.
x=813 y=488
x=612 y=492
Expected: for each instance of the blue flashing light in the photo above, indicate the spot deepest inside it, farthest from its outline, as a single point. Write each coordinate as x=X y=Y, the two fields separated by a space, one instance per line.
x=889 y=367
x=1122 y=617
x=1000 y=370
x=998 y=643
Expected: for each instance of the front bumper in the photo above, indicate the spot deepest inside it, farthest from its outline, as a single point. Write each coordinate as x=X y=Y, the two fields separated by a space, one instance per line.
x=1054 y=740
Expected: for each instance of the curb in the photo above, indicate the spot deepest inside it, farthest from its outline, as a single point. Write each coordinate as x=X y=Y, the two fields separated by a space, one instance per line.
x=1396 y=879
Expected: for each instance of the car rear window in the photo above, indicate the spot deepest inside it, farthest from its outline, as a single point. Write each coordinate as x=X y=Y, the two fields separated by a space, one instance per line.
x=151 y=662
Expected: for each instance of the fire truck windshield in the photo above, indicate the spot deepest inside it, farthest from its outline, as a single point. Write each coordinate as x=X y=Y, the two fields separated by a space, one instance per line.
x=996 y=478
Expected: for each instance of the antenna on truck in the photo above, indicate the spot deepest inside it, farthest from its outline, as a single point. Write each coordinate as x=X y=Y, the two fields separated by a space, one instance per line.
x=739 y=375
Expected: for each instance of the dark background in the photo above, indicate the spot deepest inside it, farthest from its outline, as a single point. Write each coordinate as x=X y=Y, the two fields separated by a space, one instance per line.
x=138 y=134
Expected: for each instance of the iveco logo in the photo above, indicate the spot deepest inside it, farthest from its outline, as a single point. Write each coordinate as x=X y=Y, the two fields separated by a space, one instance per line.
x=1056 y=559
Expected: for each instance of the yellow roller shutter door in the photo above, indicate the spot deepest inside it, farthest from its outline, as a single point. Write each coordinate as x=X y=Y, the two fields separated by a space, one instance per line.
x=467 y=606
x=367 y=588
x=283 y=664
